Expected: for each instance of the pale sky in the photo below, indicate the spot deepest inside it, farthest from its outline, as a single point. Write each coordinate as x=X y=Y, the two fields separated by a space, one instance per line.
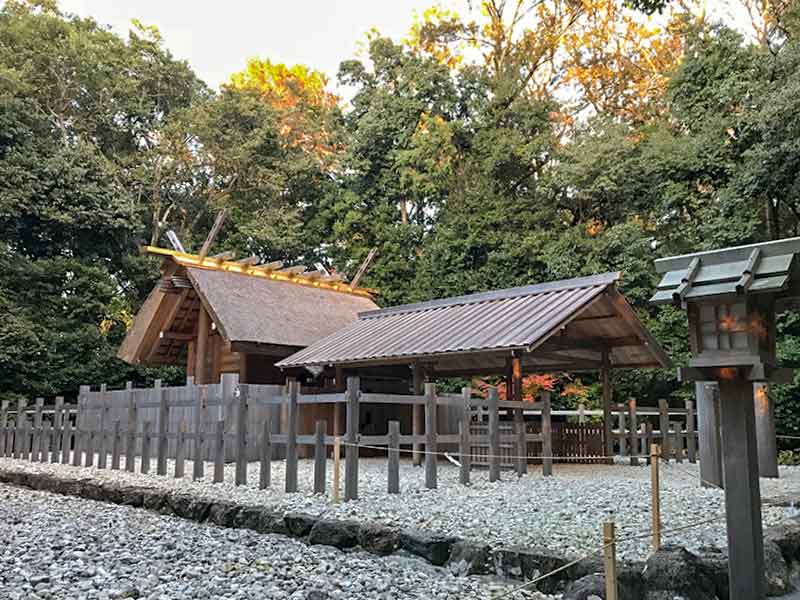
x=218 y=37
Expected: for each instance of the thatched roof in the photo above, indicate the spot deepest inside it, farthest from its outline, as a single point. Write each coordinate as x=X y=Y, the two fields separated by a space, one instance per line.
x=253 y=311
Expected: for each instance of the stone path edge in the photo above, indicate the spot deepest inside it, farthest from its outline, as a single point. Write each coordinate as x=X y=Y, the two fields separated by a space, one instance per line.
x=459 y=556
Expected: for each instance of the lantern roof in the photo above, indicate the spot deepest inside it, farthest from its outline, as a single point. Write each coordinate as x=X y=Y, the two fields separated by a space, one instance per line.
x=769 y=267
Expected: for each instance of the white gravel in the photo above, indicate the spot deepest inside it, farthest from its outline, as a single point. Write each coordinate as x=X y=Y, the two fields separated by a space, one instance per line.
x=54 y=547
x=564 y=512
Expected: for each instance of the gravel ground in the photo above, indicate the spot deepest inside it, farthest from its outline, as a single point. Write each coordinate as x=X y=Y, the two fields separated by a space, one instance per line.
x=59 y=547
x=563 y=512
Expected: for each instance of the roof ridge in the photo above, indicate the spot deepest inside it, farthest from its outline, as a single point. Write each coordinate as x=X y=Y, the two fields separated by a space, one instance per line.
x=502 y=294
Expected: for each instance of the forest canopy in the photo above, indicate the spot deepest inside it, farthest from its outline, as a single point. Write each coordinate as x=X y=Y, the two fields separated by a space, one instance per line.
x=501 y=143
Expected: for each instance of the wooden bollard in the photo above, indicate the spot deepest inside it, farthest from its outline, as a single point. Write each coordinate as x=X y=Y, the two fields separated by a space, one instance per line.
x=463 y=431
x=494 y=436
x=655 y=500
x=291 y=437
x=431 y=445
x=265 y=476
x=115 y=446
x=219 y=452
x=337 y=460
x=663 y=425
x=351 y=451
x=610 y=560
x=320 y=457
x=393 y=485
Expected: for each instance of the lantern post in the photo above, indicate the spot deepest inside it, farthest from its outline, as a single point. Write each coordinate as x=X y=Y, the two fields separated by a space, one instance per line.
x=731 y=298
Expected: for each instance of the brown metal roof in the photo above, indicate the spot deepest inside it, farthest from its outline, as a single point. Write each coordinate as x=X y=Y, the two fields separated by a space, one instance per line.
x=519 y=319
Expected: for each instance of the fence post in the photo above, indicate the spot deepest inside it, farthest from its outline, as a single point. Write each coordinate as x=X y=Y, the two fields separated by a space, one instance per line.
x=26 y=440
x=241 y=434
x=115 y=446
x=36 y=446
x=320 y=457
x=547 y=435
x=463 y=430
x=610 y=560
x=494 y=436
x=66 y=439
x=663 y=425
x=88 y=426
x=180 y=450
x=130 y=444
x=265 y=479
x=291 y=436
x=163 y=427
x=522 y=444
x=44 y=451
x=655 y=501
x=644 y=443
x=146 y=428
x=105 y=401
x=393 y=486
x=58 y=425
x=337 y=458
x=219 y=453
x=691 y=432
x=351 y=451
x=431 y=444
x=677 y=445
x=201 y=402
x=3 y=426
x=634 y=423
x=18 y=430
x=78 y=443
x=623 y=442
x=581 y=413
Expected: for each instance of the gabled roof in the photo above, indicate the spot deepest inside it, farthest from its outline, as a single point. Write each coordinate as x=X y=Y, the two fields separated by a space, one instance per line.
x=251 y=309
x=754 y=268
x=538 y=321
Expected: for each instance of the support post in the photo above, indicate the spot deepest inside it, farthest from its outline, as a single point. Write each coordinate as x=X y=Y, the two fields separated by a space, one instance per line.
x=622 y=428
x=417 y=414
x=200 y=393
x=291 y=436
x=320 y=457
x=201 y=350
x=464 y=435
x=45 y=442
x=710 y=440
x=547 y=435
x=163 y=426
x=691 y=433
x=19 y=432
x=130 y=445
x=742 y=492
x=219 y=452
x=115 y=446
x=431 y=445
x=610 y=560
x=78 y=435
x=241 y=434
x=605 y=378
x=634 y=424
x=66 y=439
x=102 y=449
x=655 y=496
x=765 y=431
x=351 y=451
x=265 y=476
x=494 y=436
x=393 y=485
x=663 y=426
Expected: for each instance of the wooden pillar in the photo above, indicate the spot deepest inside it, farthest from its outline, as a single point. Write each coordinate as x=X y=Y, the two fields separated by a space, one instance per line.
x=710 y=440
x=351 y=451
x=605 y=378
x=547 y=435
x=201 y=350
x=519 y=417
x=634 y=425
x=494 y=436
x=291 y=436
x=431 y=445
x=742 y=493
x=417 y=413
x=765 y=431
x=341 y=387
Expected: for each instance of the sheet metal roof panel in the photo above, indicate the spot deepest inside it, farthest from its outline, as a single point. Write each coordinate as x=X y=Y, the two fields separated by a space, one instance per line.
x=503 y=319
x=767 y=284
x=768 y=265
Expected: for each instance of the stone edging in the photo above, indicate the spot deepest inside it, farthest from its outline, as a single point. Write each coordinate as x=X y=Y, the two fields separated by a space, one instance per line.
x=672 y=570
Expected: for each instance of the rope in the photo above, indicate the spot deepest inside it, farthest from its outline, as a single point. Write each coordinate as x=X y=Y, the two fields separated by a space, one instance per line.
x=506 y=456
